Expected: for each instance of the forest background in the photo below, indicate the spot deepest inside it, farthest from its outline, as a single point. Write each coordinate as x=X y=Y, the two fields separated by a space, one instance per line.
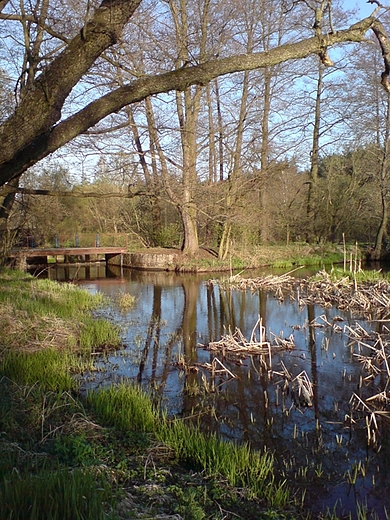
x=296 y=151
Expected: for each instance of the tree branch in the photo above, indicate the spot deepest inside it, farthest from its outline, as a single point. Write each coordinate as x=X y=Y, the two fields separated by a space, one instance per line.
x=40 y=144
x=9 y=189
x=380 y=33
x=33 y=19
x=3 y=3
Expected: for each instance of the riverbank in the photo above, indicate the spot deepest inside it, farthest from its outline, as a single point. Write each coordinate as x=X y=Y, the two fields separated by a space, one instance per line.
x=206 y=260
x=126 y=465
x=109 y=454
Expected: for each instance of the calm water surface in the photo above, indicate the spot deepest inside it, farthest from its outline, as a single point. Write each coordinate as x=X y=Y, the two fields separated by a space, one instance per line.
x=315 y=447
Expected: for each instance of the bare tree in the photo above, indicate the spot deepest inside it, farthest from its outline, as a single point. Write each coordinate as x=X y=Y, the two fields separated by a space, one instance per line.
x=45 y=120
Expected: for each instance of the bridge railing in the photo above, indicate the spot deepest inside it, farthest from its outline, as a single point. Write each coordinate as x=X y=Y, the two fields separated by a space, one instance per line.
x=76 y=240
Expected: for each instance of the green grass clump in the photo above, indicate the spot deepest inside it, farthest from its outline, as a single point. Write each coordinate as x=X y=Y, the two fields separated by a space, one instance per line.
x=42 y=313
x=40 y=297
x=283 y=264
x=360 y=276
x=239 y=464
x=128 y=408
x=124 y=406
x=62 y=495
x=98 y=333
x=49 y=368
x=309 y=260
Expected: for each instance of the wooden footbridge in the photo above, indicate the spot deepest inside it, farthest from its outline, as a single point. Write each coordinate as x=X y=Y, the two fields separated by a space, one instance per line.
x=24 y=256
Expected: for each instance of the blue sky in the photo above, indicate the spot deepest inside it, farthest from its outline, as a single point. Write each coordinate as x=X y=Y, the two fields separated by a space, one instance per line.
x=364 y=9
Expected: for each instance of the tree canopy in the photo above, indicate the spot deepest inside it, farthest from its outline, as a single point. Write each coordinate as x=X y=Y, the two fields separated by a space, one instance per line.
x=173 y=96
x=36 y=128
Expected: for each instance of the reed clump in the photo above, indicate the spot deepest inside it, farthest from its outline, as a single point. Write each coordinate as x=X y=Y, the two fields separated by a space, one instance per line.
x=125 y=301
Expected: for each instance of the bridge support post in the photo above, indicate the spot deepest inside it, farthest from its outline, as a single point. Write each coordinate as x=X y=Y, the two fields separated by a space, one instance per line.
x=21 y=262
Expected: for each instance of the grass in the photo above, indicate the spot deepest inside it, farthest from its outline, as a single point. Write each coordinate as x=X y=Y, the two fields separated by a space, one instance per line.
x=124 y=406
x=53 y=495
x=242 y=466
x=126 y=301
x=39 y=297
x=288 y=256
x=128 y=408
x=37 y=314
x=251 y=257
x=48 y=334
x=310 y=260
x=48 y=367
x=97 y=335
x=361 y=276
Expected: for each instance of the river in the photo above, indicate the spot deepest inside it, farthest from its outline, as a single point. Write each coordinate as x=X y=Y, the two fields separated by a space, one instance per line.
x=321 y=446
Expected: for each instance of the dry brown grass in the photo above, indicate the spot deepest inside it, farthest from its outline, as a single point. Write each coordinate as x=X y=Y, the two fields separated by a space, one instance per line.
x=21 y=332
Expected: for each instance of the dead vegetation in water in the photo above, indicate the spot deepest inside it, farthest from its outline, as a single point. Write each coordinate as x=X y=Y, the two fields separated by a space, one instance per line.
x=372 y=350
x=370 y=405
x=366 y=300
x=235 y=345
x=300 y=386
x=278 y=284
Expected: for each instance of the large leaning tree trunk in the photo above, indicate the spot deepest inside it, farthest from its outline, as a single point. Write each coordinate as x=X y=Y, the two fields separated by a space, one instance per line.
x=32 y=41
x=28 y=130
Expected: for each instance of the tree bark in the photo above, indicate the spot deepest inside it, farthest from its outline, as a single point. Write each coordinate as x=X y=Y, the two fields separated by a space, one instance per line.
x=265 y=152
x=224 y=245
x=190 y=239
x=3 y=3
x=220 y=132
x=6 y=239
x=212 y=177
x=314 y=161
x=382 y=230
